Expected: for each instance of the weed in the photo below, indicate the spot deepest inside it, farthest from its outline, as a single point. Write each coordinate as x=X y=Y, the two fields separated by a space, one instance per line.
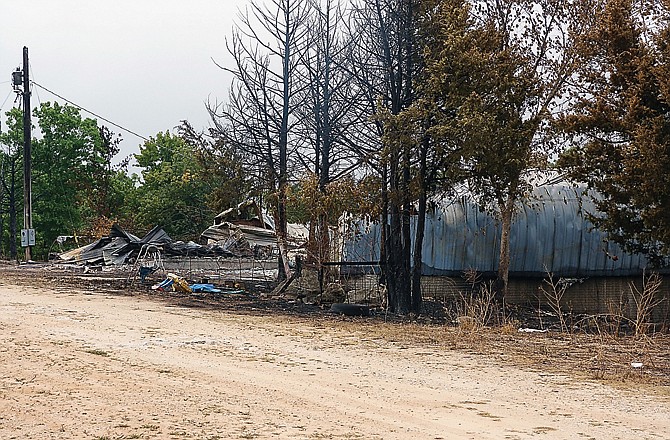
x=553 y=290
x=150 y=427
x=97 y=352
x=510 y=327
x=477 y=308
x=616 y=316
x=645 y=301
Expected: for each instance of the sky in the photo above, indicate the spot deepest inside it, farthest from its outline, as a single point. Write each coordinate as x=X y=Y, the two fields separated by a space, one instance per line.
x=143 y=64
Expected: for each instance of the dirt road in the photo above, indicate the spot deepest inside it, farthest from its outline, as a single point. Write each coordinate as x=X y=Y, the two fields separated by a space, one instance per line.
x=101 y=366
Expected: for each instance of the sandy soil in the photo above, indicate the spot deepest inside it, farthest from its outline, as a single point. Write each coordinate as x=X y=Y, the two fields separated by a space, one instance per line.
x=95 y=365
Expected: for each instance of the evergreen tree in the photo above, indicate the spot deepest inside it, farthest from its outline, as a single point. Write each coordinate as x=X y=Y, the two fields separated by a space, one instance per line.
x=620 y=123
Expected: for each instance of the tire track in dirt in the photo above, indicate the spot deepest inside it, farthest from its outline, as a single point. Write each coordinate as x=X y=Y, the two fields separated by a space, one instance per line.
x=98 y=366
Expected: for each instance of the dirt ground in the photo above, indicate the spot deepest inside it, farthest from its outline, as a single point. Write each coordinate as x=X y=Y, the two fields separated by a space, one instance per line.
x=84 y=360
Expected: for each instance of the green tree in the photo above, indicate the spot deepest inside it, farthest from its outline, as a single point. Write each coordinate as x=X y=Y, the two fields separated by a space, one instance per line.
x=527 y=56
x=222 y=171
x=491 y=74
x=109 y=192
x=11 y=174
x=620 y=123
x=105 y=202
x=77 y=190
x=172 y=193
x=123 y=201
x=66 y=162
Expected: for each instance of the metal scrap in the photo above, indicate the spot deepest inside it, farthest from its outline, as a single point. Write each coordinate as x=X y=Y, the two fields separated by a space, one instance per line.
x=121 y=247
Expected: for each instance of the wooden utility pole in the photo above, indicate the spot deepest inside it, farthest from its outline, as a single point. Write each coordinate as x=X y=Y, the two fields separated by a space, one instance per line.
x=27 y=185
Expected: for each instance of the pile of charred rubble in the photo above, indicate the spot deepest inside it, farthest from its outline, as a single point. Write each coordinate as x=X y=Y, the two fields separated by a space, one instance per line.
x=242 y=232
x=238 y=234
x=121 y=247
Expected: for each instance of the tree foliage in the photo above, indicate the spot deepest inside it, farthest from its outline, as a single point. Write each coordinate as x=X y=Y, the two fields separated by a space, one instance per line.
x=67 y=163
x=308 y=201
x=173 y=193
x=76 y=189
x=221 y=168
x=75 y=186
x=620 y=123
x=11 y=174
x=494 y=84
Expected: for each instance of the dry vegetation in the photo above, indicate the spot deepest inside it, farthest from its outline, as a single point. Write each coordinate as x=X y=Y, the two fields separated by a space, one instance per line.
x=600 y=354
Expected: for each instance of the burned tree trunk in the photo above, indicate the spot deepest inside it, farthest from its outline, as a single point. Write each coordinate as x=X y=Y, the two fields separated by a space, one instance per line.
x=258 y=119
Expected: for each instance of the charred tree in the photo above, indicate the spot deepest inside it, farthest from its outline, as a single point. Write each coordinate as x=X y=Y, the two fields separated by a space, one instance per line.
x=259 y=117
x=385 y=65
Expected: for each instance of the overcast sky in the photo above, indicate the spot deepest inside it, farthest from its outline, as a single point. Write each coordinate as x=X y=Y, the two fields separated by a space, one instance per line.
x=143 y=64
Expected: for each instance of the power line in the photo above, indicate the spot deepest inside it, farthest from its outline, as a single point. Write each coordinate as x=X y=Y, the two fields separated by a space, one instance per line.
x=32 y=73
x=39 y=101
x=90 y=112
x=5 y=101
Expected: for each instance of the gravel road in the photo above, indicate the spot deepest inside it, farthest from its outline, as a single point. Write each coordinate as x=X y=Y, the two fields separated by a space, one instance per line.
x=100 y=366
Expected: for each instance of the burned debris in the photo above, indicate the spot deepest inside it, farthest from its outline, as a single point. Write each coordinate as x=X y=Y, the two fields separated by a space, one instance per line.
x=238 y=253
x=121 y=247
x=250 y=232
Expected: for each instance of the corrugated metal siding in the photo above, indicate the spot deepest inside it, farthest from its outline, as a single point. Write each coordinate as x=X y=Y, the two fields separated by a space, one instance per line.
x=550 y=234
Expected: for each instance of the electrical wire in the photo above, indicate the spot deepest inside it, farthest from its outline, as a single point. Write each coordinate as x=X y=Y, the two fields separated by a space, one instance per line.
x=32 y=73
x=39 y=101
x=5 y=101
x=90 y=112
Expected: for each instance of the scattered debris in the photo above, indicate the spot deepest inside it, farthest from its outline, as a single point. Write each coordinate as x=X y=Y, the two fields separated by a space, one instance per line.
x=148 y=261
x=179 y=284
x=242 y=239
x=247 y=231
x=121 y=247
x=532 y=330
x=281 y=288
x=163 y=285
x=204 y=288
x=350 y=309
x=246 y=213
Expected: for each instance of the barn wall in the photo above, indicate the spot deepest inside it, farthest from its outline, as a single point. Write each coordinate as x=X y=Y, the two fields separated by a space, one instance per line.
x=552 y=233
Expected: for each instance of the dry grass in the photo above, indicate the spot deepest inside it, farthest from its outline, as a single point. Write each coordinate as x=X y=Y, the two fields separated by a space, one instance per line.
x=600 y=356
x=554 y=290
x=579 y=355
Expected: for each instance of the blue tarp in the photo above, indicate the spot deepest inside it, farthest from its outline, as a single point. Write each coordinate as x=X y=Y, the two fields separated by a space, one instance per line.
x=204 y=288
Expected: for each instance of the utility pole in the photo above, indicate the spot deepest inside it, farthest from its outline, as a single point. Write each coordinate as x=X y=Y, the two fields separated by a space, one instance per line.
x=28 y=233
